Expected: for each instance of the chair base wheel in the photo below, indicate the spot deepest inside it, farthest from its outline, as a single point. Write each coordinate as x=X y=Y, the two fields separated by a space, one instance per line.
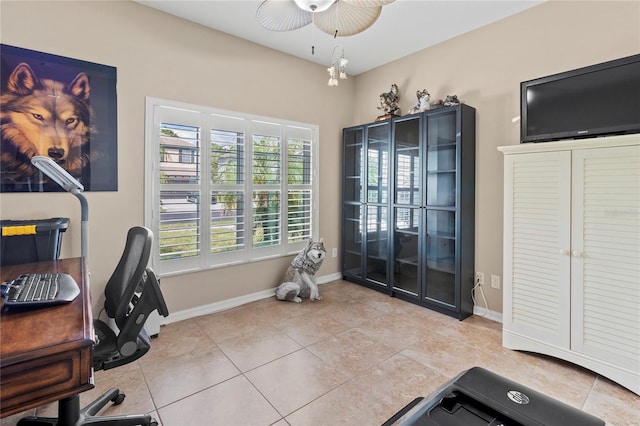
x=118 y=399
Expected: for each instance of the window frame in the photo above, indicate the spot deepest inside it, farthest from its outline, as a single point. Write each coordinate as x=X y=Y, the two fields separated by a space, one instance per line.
x=251 y=124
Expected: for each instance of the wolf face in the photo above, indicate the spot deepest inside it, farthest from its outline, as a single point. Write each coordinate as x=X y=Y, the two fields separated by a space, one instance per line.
x=316 y=252
x=310 y=259
x=44 y=117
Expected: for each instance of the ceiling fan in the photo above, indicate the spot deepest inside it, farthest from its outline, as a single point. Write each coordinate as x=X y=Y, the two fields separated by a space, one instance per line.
x=339 y=18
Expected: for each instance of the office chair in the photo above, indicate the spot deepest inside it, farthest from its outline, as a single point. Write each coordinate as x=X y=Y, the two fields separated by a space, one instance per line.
x=131 y=294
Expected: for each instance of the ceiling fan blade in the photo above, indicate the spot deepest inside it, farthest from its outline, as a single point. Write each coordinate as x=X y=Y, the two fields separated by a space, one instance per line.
x=346 y=19
x=368 y=3
x=282 y=15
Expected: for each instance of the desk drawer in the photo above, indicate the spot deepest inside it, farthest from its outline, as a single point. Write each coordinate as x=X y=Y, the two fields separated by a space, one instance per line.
x=43 y=380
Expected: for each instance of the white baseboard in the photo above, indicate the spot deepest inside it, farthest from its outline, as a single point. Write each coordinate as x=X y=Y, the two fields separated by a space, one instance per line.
x=234 y=302
x=223 y=305
x=484 y=312
x=328 y=278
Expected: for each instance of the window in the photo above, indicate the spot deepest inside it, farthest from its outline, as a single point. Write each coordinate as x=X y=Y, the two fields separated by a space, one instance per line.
x=225 y=187
x=408 y=190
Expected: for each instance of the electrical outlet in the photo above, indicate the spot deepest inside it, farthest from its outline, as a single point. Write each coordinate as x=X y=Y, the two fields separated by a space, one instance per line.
x=480 y=278
x=495 y=281
x=334 y=252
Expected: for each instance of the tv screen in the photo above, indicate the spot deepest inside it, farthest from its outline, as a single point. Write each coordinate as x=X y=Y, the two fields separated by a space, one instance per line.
x=598 y=100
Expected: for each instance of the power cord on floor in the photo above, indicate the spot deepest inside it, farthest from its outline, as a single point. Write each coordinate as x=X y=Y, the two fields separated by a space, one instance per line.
x=478 y=286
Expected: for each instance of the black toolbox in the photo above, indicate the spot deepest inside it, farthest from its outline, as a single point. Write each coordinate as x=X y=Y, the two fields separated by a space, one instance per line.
x=25 y=241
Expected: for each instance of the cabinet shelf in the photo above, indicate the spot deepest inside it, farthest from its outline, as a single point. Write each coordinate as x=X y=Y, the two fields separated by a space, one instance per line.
x=442 y=142
x=407 y=148
x=408 y=261
x=441 y=208
x=451 y=207
x=443 y=235
x=376 y=257
x=403 y=231
x=441 y=171
x=445 y=145
x=444 y=265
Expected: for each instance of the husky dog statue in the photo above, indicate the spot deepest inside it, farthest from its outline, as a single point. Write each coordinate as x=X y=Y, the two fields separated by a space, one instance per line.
x=300 y=278
x=423 y=102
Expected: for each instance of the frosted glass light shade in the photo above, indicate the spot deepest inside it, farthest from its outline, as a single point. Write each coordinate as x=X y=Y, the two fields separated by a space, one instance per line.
x=314 y=5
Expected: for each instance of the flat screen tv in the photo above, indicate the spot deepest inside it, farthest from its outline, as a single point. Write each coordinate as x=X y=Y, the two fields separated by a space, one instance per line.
x=597 y=100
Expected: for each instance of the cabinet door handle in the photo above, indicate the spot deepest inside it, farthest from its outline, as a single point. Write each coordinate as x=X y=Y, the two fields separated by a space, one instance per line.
x=577 y=253
x=565 y=252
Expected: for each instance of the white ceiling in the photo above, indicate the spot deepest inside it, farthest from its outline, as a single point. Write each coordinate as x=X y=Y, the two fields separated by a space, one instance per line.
x=404 y=27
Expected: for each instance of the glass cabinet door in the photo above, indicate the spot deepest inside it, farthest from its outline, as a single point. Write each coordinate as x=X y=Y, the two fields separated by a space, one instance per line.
x=407 y=206
x=441 y=207
x=441 y=160
x=378 y=164
x=440 y=256
x=406 y=249
x=352 y=197
x=377 y=247
x=352 y=240
x=353 y=164
x=377 y=199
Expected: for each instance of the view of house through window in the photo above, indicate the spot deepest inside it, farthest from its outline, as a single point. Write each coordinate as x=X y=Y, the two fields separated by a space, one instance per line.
x=226 y=187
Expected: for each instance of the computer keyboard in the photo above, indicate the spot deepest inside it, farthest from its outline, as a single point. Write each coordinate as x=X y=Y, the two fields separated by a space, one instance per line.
x=41 y=289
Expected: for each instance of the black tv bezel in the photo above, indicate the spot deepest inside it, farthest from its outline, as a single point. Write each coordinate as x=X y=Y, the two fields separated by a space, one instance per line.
x=577 y=133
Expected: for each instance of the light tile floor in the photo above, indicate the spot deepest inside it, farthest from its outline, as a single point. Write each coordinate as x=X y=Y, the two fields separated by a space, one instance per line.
x=355 y=358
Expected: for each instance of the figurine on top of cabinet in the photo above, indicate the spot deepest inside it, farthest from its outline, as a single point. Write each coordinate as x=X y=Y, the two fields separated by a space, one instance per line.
x=423 y=102
x=450 y=100
x=389 y=103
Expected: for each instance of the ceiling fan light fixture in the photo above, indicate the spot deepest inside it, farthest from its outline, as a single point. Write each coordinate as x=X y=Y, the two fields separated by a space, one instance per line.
x=314 y=5
x=345 y=19
x=337 y=70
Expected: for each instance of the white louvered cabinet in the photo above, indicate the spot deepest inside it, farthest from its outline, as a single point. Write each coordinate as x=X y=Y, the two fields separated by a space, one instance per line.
x=572 y=253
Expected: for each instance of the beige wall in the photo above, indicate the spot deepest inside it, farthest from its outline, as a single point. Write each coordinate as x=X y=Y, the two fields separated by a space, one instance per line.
x=484 y=68
x=165 y=57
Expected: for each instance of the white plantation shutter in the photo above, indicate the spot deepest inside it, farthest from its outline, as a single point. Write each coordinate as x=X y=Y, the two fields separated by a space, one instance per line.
x=178 y=227
x=227 y=157
x=299 y=184
x=226 y=187
x=266 y=172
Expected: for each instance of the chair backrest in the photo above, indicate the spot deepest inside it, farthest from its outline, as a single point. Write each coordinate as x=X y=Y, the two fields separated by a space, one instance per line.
x=133 y=340
x=132 y=293
x=128 y=274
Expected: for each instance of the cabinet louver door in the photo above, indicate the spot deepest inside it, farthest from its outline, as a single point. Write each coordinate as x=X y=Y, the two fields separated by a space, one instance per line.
x=606 y=255
x=537 y=243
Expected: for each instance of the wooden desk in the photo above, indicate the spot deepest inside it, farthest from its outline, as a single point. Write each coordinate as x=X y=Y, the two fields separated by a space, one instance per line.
x=46 y=353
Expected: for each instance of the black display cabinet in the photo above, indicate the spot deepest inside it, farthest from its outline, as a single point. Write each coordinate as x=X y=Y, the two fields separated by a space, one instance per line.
x=408 y=221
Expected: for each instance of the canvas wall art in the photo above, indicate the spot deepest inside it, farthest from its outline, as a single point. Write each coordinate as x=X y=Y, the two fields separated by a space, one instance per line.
x=58 y=107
